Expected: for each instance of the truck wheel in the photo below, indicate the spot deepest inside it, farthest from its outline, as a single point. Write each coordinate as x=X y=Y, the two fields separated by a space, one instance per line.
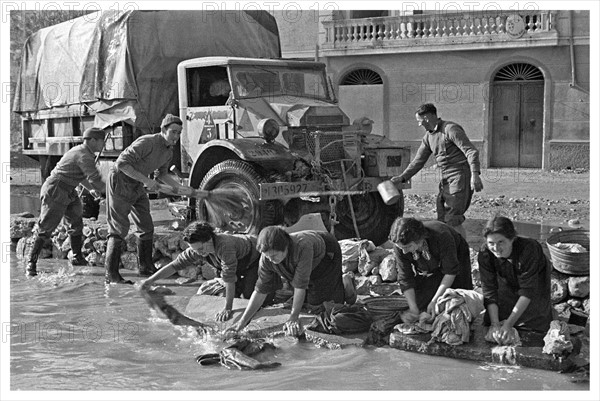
x=373 y=217
x=254 y=214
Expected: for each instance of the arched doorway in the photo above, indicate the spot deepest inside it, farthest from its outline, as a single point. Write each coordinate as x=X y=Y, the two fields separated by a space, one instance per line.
x=361 y=95
x=517 y=117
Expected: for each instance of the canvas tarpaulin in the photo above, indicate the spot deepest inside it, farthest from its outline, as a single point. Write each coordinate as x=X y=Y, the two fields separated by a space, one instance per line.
x=123 y=65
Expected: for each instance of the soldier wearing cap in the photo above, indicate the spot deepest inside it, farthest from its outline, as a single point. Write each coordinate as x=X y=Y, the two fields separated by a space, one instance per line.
x=126 y=195
x=59 y=197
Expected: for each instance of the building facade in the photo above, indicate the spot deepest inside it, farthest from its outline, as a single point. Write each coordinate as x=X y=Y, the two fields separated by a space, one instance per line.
x=517 y=81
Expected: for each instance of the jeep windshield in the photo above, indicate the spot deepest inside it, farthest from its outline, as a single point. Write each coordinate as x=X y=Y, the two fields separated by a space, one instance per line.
x=270 y=81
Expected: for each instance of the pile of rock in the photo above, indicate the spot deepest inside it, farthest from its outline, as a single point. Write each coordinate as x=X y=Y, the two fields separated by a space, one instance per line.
x=167 y=246
x=571 y=297
x=374 y=267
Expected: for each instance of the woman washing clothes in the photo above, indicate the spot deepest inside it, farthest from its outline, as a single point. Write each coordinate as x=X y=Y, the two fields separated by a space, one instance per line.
x=431 y=257
x=515 y=278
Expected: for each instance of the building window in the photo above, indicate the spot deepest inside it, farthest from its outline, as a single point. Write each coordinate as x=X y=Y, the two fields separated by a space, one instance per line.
x=519 y=72
x=362 y=76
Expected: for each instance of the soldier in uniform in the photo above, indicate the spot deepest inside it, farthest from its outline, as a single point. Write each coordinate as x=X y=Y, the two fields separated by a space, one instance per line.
x=59 y=197
x=458 y=159
x=125 y=195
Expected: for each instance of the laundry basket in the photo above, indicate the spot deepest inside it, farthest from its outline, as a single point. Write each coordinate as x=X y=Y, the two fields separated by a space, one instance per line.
x=573 y=263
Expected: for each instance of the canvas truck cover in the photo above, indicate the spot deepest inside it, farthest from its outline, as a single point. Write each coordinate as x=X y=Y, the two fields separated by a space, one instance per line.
x=123 y=65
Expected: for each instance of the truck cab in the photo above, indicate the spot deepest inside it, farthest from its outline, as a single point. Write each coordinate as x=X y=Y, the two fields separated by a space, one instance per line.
x=272 y=129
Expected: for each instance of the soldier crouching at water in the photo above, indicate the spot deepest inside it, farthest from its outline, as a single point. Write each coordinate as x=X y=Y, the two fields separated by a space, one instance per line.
x=125 y=195
x=59 y=197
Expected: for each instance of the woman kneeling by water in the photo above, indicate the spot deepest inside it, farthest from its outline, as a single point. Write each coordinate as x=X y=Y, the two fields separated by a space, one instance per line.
x=515 y=277
x=235 y=255
x=432 y=257
x=311 y=261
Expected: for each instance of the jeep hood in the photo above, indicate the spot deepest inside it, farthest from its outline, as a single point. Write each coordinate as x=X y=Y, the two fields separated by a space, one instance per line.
x=296 y=111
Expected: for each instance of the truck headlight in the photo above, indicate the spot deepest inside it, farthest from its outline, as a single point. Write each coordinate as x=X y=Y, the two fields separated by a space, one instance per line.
x=268 y=129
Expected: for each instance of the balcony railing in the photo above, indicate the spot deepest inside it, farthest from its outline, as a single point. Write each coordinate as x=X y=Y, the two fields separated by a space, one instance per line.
x=438 y=29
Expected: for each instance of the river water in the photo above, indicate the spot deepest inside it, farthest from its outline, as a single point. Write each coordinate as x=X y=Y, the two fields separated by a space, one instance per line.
x=68 y=331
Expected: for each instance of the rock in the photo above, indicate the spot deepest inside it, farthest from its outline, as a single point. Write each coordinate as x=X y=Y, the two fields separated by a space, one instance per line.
x=559 y=289
x=375 y=279
x=162 y=262
x=131 y=242
x=579 y=286
x=368 y=260
x=586 y=305
x=175 y=254
x=87 y=231
x=66 y=244
x=58 y=252
x=21 y=227
x=563 y=309
x=100 y=246
x=362 y=285
x=573 y=222
x=574 y=302
x=88 y=244
x=388 y=269
x=93 y=259
x=130 y=260
x=23 y=247
x=102 y=232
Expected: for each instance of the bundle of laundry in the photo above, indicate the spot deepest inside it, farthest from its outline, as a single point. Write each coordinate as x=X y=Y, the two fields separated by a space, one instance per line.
x=455 y=310
x=341 y=319
x=239 y=355
x=513 y=341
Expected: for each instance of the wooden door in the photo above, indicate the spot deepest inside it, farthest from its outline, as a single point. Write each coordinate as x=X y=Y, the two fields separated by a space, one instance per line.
x=505 y=126
x=517 y=129
x=531 y=127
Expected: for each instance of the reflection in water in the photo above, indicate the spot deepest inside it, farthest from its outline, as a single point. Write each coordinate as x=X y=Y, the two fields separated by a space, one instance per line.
x=67 y=327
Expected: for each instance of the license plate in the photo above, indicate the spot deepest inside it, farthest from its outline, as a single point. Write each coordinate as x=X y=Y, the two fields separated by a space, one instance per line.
x=277 y=190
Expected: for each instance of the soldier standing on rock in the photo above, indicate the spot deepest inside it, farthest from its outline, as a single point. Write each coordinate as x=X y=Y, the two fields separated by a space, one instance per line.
x=59 y=197
x=458 y=160
x=125 y=195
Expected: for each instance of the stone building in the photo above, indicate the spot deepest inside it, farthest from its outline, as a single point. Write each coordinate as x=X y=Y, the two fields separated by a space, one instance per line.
x=517 y=81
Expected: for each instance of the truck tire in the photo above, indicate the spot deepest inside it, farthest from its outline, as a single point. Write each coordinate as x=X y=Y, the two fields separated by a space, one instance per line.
x=373 y=217
x=243 y=177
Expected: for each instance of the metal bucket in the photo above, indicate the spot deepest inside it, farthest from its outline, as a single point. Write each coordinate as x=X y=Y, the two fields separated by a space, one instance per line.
x=572 y=263
x=389 y=193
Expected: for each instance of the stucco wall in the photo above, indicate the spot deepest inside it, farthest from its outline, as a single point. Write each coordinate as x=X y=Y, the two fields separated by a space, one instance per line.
x=568 y=155
x=458 y=82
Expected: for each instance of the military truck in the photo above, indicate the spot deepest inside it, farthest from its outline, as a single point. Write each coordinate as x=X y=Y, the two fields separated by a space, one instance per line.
x=265 y=126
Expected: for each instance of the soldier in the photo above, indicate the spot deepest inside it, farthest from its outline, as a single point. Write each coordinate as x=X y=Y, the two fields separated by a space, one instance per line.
x=125 y=195
x=59 y=197
x=458 y=159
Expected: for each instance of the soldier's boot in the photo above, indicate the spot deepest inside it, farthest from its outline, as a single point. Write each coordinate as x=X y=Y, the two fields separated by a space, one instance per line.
x=76 y=258
x=146 y=266
x=34 y=253
x=113 y=261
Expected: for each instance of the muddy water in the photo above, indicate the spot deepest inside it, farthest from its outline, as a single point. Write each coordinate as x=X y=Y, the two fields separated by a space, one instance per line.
x=68 y=332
